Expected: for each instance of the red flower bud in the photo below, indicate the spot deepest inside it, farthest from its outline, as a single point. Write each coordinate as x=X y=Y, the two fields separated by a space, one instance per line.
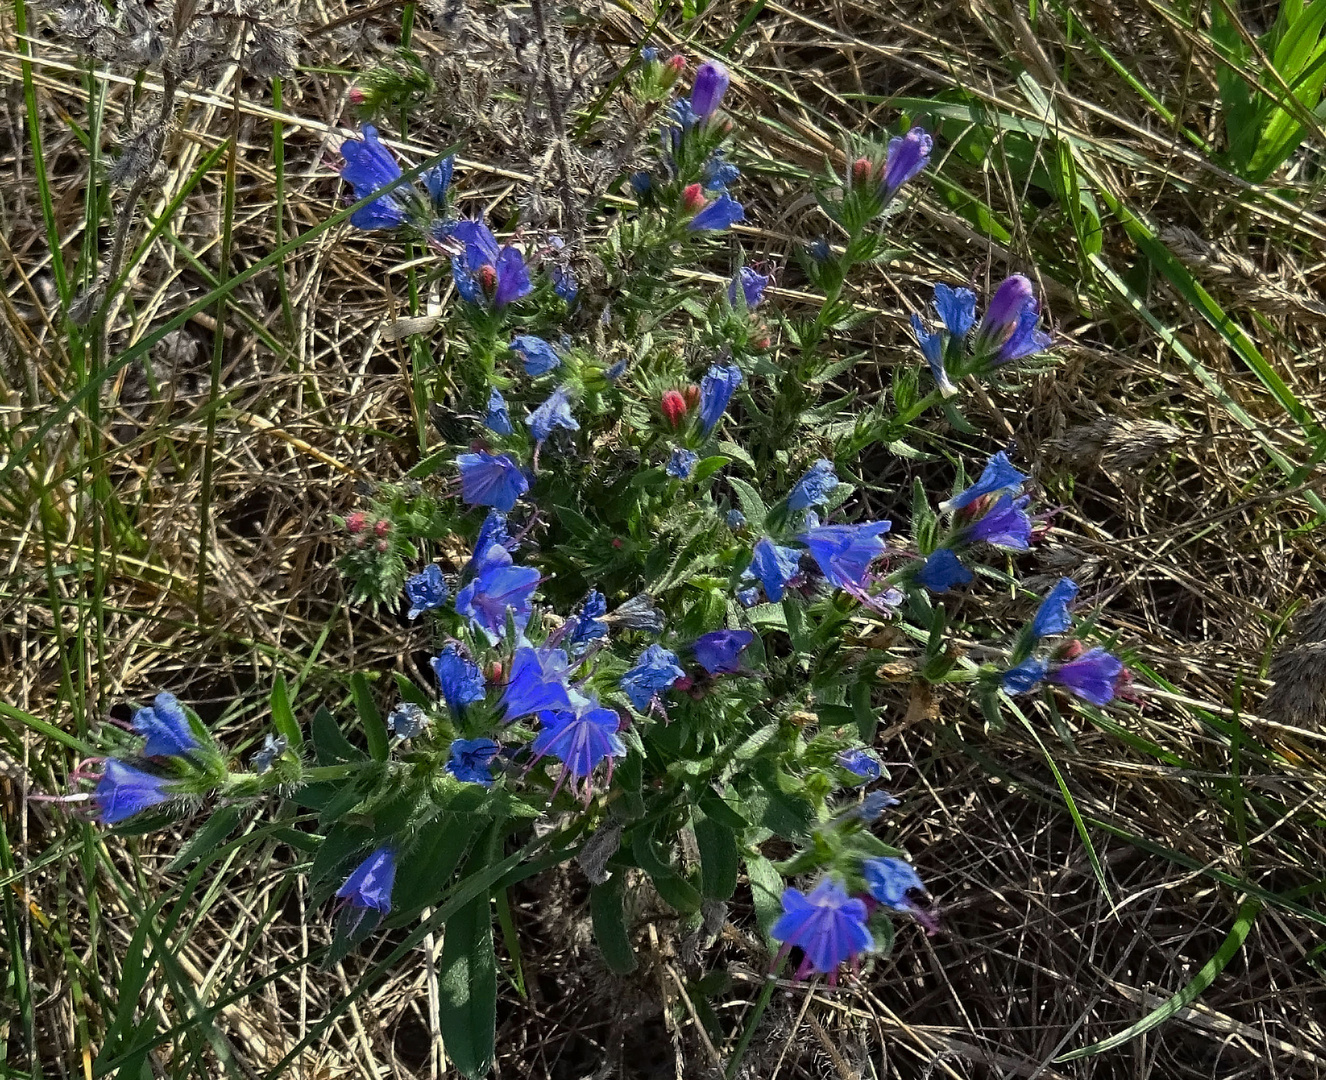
x=674 y=407
x=383 y=547
x=382 y=527
x=487 y=276
x=861 y=170
x=357 y=96
x=1071 y=650
x=677 y=62
x=692 y=396
x=495 y=672
x=617 y=543
x=762 y=342
x=355 y=522
x=692 y=199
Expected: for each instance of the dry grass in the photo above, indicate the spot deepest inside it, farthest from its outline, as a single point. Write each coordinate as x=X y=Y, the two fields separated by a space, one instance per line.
x=1173 y=517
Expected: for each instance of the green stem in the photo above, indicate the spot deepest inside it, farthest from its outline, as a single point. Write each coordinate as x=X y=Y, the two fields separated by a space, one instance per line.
x=757 y=1014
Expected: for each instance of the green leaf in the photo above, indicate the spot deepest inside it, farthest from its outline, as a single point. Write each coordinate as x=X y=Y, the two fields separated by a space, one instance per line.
x=671 y=886
x=610 y=930
x=719 y=859
x=329 y=745
x=425 y=869
x=1199 y=982
x=708 y=466
x=751 y=503
x=467 y=989
x=283 y=716
x=374 y=729
x=766 y=888
x=218 y=827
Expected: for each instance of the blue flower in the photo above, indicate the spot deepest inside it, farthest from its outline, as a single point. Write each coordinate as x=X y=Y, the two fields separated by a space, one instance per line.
x=579 y=740
x=588 y=624
x=889 y=880
x=166 y=728
x=1027 y=339
x=1092 y=676
x=999 y=475
x=426 y=590
x=723 y=212
x=654 y=672
x=368 y=888
x=1009 y=328
x=1052 y=616
x=828 y=926
x=716 y=390
x=498 y=587
x=873 y=805
x=677 y=121
x=497 y=419
x=407 y=720
x=538 y=682
x=819 y=250
x=492 y=531
x=564 y=282
x=491 y=480
x=844 y=552
x=471 y=761
x=861 y=763
x=774 y=566
x=641 y=183
x=719 y=652
x=748 y=597
x=460 y=680
x=507 y=271
x=616 y=371
x=369 y=167
x=1005 y=524
x=736 y=520
x=681 y=464
x=956 y=308
x=906 y=157
x=711 y=83
x=749 y=285
x=273 y=746
x=537 y=355
x=438 y=180
x=815 y=487
x=124 y=791
x=648 y=54
x=553 y=413
x=1024 y=678
x=932 y=348
x=942 y=571
x=718 y=174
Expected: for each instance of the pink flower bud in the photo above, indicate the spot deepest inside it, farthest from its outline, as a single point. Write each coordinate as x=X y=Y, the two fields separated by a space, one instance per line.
x=674 y=407
x=355 y=522
x=692 y=198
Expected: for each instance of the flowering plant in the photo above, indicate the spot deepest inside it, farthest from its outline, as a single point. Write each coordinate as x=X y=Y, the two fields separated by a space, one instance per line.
x=654 y=606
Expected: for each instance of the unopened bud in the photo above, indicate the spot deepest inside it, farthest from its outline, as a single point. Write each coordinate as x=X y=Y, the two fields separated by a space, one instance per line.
x=674 y=407
x=383 y=547
x=495 y=672
x=487 y=276
x=357 y=96
x=382 y=527
x=692 y=396
x=355 y=522
x=692 y=199
x=1072 y=650
x=617 y=543
x=762 y=342
x=861 y=170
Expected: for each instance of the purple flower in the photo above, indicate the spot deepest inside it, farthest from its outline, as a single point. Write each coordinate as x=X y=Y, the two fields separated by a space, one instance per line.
x=750 y=285
x=588 y=624
x=932 y=348
x=654 y=672
x=1052 y=616
x=723 y=212
x=512 y=277
x=999 y=475
x=681 y=464
x=716 y=390
x=956 y=308
x=538 y=682
x=498 y=587
x=497 y=419
x=537 y=355
x=426 y=590
x=507 y=271
x=1025 y=677
x=873 y=805
x=124 y=791
x=166 y=728
x=906 y=157
x=828 y=926
x=368 y=888
x=641 y=183
x=844 y=552
x=438 y=180
x=719 y=652
x=1091 y=676
x=471 y=761
x=369 y=167
x=553 y=413
x=492 y=531
x=774 y=566
x=678 y=120
x=491 y=480
x=1014 y=297
x=1027 y=338
x=564 y=282
x=815 y=487
x=861 y=763
x=1005 y=524
x=942 y=571
x=579 y=740
x=711 y=83
x=459 y=679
